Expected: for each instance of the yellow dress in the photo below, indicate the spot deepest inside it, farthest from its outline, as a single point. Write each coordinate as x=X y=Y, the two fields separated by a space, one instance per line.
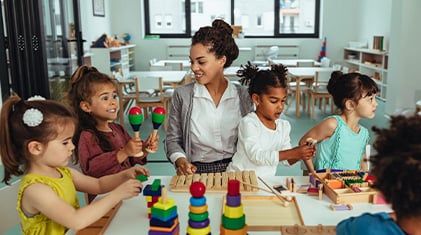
x=39 y=223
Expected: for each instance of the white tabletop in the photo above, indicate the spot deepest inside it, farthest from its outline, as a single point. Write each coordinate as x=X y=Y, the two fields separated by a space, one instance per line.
x=167 y=76
x=293 y=62
x=132 y=216
x=161 y=63
x=306 y=72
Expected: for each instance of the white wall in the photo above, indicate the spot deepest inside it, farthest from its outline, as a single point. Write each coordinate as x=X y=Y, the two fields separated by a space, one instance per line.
x=94 y=26
x=404 y=79
x=338 y=25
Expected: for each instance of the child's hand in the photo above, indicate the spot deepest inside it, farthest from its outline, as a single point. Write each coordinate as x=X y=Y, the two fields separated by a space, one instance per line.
x=305 y=152
x=152 y=143
x=184 y=167
x=128 y=189
x=133 y=147
x=132 y=172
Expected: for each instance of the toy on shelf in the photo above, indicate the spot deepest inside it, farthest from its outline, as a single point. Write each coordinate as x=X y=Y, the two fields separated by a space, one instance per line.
x=215 y=182
x=164 y=217
x=152 y=192
x=349 y=186
x=198 y=216
x=136 y=119
x=158 y=117
x=233 y=218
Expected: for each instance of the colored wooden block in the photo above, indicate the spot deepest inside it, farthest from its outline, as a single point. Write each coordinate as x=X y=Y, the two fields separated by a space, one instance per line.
x=164 y=219
x=233 y=201
x=312 y=191
x=198 y=231
x=150 y=204
x=197 y=201
x=233 y=223
x=198 y=209
x=159 y=223
x=159 y=213
x=198 y=217
x=152 y=198
x=175 y=231
x=233 y=212
x=165 y=229
x=200 y=224
x=147 y=191
x=169 y=203
x=224 y=231
x=142 y=178
x=156 y=185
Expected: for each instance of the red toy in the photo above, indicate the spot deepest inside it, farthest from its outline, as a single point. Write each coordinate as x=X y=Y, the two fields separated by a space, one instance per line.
x=197 y=189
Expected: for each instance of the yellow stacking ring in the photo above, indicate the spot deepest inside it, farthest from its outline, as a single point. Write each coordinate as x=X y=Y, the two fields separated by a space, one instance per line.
x=198 y=231
x=233 y=212
x=198 y=209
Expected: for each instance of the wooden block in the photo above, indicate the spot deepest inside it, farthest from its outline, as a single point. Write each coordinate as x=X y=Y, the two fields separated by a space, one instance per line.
x=217 y=181
x=239 y=176
x=246 y=179
x=253 y=180
x=224 y=180
x=204 y=178
x=210 y=183
x=231 y=175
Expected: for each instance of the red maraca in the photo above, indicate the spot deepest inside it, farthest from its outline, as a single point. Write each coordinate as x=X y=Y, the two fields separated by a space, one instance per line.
x=158 y=117
x=136 y=120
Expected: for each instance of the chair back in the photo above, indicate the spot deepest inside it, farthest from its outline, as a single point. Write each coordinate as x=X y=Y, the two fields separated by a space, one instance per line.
x=9 y=216
x=146 y=84
x=321 y=80
x=305 y=63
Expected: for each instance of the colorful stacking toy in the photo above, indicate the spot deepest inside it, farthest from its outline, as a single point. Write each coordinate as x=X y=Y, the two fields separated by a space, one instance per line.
x=158 y=117
x=164 y=217
x=136 y=119
x=233 y=218
x=198 y=215
x=152 y=192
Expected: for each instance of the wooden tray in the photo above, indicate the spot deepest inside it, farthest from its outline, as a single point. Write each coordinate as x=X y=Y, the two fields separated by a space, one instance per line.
x=266 y=213
x=99 y=226
x=215 y=182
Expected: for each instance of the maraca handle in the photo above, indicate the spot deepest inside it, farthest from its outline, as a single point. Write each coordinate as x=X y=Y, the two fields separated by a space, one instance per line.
x=137 y=137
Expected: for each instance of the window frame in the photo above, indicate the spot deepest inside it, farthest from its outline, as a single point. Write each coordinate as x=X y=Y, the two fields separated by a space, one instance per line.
x=276 y=33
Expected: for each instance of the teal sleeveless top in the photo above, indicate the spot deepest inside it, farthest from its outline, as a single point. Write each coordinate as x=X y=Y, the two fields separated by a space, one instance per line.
x=343 y=150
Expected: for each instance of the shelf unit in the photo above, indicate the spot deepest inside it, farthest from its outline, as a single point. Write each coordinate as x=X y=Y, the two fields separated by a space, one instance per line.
x=114 y=59
x=373 y=63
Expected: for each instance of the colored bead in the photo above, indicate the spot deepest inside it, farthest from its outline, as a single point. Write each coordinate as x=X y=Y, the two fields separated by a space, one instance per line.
x=197 y=189
x=197 y=201
x=233 y=212
x=198 y=231
x=200 y=224
x=234 y=224
x=233 y=187
x=198 y=217
x=224 y=231
x=198 y=209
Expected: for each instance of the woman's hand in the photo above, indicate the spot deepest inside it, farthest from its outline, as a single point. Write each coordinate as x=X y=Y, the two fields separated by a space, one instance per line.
x=184 y=167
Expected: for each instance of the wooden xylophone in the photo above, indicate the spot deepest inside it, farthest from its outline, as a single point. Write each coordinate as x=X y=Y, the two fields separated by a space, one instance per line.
x=215 y=182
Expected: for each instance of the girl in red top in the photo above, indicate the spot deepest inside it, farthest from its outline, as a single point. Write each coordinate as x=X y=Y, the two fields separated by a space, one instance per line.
x=103 y=147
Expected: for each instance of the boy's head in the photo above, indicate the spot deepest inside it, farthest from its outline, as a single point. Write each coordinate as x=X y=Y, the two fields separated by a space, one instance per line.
x=397 y=166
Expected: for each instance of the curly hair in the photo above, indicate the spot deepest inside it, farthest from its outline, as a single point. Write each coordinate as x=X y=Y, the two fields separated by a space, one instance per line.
x=397 y=165
x=259 y=81
x=82 y=87
x=219 y=39
x=350 y=86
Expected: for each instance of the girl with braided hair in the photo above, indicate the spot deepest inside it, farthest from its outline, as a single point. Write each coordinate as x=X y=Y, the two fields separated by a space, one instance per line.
x=263 y=137
x=204 y=115
x=397 y=169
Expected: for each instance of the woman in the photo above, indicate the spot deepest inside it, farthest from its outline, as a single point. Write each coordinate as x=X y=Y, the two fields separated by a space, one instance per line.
x=204 y=115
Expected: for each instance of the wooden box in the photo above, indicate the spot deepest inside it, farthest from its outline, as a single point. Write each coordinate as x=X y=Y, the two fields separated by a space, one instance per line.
x=344 y=194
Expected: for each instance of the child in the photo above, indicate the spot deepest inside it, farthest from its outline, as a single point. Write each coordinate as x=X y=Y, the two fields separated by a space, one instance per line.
x=35 y=141
x=341 y=139
x=263 y=138
x=397 y=169
x=103 y=147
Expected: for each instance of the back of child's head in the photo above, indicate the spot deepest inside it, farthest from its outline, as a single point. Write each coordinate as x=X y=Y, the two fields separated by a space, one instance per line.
x=218 y=38
x=350 y=86
x=84 y=83
x=259 y=81
x=397 y=165
x=24 y=121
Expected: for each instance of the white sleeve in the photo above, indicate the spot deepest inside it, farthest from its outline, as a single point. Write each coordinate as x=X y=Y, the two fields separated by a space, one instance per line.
x=248 y=136
x=286 y=139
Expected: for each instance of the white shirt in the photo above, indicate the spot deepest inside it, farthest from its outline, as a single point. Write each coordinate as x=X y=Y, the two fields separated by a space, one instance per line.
x=258 y=146
x=214 y=129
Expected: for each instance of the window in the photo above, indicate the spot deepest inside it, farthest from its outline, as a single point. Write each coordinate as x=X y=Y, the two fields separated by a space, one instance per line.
x=258 y=18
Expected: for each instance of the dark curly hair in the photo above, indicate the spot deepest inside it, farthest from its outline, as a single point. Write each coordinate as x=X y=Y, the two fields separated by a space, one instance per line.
x=219 y=40
x=82 y=87
x=350 y=86
x=397 y=165
x=259 y=81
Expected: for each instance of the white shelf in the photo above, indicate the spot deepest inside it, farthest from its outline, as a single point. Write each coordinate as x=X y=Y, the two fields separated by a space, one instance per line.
x=107 y=60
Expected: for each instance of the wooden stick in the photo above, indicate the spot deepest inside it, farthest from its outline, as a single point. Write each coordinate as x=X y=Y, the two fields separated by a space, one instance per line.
x=274 y=192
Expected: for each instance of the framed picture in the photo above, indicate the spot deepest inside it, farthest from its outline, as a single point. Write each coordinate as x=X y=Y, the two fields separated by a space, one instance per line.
x=98 y=7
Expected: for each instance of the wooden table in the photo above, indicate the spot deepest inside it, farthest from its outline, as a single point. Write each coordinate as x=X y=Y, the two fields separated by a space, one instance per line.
x=300 y=74
x=132 y=216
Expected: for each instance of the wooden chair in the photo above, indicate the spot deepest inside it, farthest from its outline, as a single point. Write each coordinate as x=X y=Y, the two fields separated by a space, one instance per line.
x=319 y=92
x=304 y=87
x=147 y=84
